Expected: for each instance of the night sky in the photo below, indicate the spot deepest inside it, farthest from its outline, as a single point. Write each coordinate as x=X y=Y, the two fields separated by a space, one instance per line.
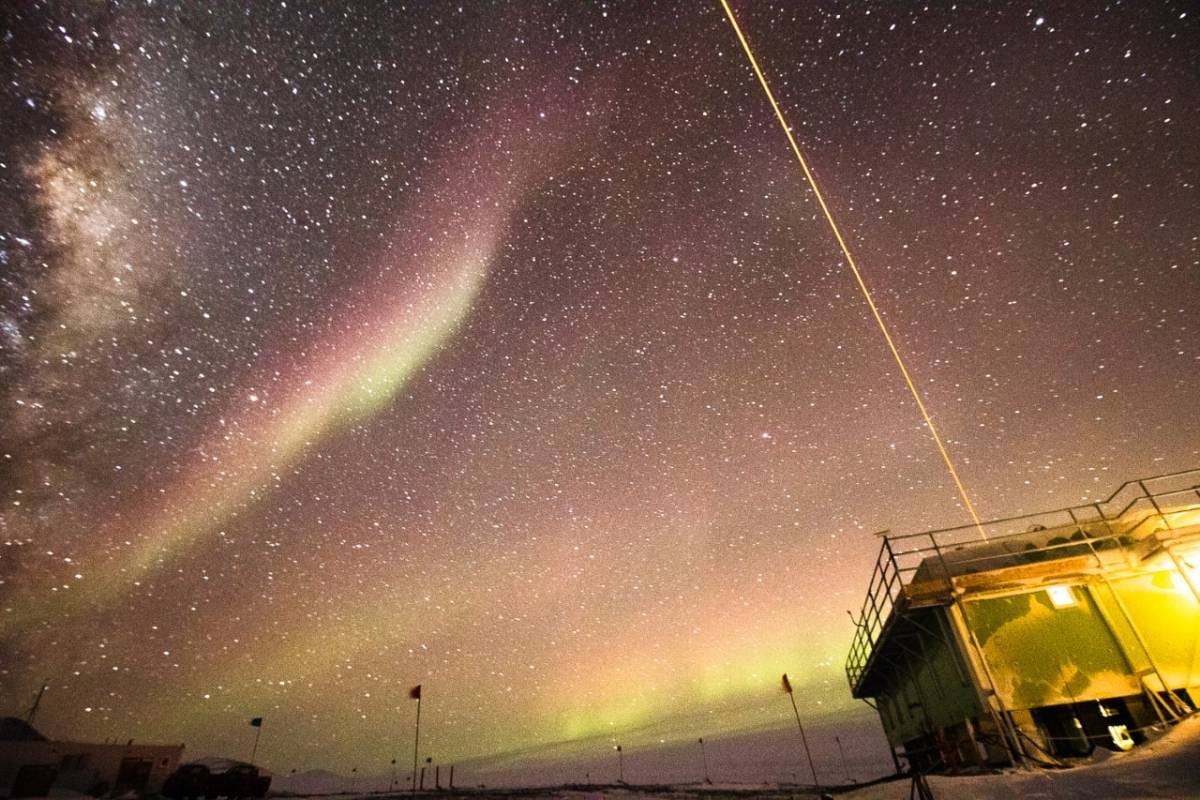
x=501 y=348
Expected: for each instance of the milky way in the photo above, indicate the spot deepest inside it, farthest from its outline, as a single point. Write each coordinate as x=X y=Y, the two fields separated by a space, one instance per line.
x=502 y=349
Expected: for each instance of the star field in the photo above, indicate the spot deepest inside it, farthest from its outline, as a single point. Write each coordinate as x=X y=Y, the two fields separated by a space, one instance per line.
x=501 y=348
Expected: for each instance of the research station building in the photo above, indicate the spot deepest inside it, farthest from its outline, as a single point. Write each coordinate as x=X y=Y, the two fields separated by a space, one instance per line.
x=1036 y=638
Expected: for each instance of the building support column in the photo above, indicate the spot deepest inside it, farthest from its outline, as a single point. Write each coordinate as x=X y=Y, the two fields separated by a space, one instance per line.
x=1186 y=575
x=1173 y=707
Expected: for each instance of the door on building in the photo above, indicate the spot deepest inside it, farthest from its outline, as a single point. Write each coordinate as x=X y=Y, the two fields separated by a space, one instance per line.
x=133 y=775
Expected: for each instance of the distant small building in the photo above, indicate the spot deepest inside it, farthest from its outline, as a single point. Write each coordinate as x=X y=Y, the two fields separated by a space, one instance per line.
x=1040 y=636
x=31 y=764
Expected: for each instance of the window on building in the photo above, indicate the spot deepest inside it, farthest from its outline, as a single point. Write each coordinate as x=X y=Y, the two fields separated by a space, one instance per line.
x=1062 y=596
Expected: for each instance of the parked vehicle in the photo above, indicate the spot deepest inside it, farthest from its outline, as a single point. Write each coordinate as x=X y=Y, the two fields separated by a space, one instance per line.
x=188 y=782
x=217 y=777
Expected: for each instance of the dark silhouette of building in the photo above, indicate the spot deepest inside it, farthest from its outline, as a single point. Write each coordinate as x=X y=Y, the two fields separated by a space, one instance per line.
x=31 y=764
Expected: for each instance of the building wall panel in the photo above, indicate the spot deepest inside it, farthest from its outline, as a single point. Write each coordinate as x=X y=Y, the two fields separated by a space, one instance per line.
x=1042 y=655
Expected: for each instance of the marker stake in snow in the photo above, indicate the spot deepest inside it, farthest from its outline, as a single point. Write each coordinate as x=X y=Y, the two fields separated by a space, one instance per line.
x=415 y=693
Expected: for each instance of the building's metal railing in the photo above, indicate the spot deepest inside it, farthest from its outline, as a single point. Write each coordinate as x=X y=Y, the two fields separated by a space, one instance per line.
x=1137 y=509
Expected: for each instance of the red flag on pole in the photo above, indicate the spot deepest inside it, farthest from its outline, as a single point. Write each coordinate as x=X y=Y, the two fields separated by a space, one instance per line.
x=415 y=692
x=787 y=687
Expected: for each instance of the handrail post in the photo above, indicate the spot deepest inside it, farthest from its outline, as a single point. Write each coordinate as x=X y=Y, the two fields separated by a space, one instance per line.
x=1154 y=502
x=937 y=549
x=1074 y=519
x=1103 y=518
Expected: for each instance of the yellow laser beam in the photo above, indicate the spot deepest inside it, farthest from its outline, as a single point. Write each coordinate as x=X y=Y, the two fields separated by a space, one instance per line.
x=862 y=285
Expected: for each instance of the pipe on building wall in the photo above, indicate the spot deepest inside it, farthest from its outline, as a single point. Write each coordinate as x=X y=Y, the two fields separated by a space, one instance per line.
x=1184 y=572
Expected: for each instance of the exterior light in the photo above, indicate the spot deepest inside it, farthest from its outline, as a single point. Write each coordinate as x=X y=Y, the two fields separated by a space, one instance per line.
x=1061 y=596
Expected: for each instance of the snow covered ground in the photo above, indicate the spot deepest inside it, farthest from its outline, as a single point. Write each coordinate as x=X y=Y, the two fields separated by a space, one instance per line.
x=1168 y=767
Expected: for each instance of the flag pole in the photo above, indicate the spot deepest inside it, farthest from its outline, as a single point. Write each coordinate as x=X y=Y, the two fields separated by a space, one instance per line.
x=36 y=702
x=257 y=736
x=787 y=685
x=417 y=741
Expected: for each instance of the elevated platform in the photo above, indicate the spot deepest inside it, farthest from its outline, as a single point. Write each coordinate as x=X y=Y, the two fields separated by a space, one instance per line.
x=1142 y=519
